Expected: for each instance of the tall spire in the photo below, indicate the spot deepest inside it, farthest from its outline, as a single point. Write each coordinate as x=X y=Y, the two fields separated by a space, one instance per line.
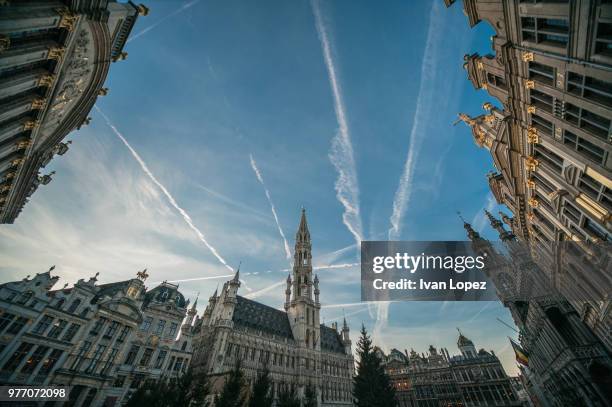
x=471 y=233
x=302 y=261
x=497 y=224
x=302 y=235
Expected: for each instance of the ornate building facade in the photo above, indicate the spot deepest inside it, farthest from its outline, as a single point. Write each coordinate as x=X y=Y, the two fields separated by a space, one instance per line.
x=567 y=363
x=296 y=347
x=54 y=59
x=551 y=139
x=474 y=378
x=102 y=340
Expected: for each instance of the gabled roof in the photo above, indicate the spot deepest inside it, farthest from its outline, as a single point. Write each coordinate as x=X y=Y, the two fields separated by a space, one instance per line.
x=254 y=315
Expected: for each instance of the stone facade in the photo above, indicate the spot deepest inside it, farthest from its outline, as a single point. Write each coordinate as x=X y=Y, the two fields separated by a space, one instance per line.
x=551 y=137
x=474 y=378
x=296 y=347
x=102 y=340
x=54 y=58
x=567 y=363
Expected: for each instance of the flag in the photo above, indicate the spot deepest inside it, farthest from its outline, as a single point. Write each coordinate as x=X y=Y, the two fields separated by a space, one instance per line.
x=519 y=353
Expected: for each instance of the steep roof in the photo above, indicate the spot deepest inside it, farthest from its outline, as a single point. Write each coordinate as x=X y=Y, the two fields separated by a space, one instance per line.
x=330 y=340
x=254 y=315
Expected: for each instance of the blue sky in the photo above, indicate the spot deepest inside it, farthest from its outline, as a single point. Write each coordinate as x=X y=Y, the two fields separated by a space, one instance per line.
x=345 y=107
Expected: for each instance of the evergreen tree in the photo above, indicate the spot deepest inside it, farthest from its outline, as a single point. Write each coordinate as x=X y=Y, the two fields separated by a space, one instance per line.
x=190 y=389
x=372 y=386
x=287 y=397
x=151 y=394
x=232 y=394
x=262 y=392
x=310 y=396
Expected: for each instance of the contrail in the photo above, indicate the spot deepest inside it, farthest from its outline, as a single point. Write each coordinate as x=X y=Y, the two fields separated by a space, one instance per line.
x=255 y=294
x=331 y=266
x=196 y=279
x=231 y=201
x=350 y=304
x=161 y=20
x=341 y=154
x=424 y=103
x=272 y=208
x=184 y=214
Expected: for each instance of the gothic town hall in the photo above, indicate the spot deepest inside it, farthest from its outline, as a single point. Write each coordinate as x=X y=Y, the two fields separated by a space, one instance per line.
x=296 y=347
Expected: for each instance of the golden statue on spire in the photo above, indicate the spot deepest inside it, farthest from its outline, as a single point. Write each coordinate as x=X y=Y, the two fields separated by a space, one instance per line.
x=142 y=275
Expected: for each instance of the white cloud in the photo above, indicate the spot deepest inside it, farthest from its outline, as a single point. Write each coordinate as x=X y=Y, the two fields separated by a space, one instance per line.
x=341 y=154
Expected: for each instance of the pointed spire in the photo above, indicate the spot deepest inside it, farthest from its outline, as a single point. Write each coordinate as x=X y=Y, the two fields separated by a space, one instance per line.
x=303 y=235
x=471 y=233
x=195 y=303
x=497 y=224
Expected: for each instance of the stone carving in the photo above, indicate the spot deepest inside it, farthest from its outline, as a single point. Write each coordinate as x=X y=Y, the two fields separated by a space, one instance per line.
x=75 y=79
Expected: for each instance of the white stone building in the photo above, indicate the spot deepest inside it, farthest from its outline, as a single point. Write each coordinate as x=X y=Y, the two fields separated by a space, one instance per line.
x=101 y=340
x=296 y=347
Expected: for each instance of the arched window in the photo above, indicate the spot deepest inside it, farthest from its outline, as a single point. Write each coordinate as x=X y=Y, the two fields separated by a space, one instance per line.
x=75 y=304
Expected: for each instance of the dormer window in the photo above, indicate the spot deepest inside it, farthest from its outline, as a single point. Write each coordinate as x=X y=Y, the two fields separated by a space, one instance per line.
x=164 y=295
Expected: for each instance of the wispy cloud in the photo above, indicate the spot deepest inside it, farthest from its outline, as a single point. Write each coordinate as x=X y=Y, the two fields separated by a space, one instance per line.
x=164 y=18
x=341 y=153
x=171 y=199
x=272 y=207
x=480 y=219
x=425 y=100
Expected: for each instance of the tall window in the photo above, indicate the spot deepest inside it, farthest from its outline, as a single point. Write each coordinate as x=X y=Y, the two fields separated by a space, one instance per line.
x=74 y=305
x=160 y=327
x=13 y=362
x=146 y=357
x=78 y=360
x=146 y=324
x=541 y=100
x=546 y=31
x=590 y=88
x=173 y=327
x=591 y=122
x=98 y=326
x=112 y=329
x=17 y=325
x=42 y=325
x=603 y=44
x=57 y=329
x=549 y=158
x=584 y=147
x=124 y=333
x=131 y=356
x=50 y=362
x=5 y=319
x=72 y=330
x=596 y=190
x=160 y=359
x=544 y=126
x=34 y=360
x=109 y=361
x=96 y=359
